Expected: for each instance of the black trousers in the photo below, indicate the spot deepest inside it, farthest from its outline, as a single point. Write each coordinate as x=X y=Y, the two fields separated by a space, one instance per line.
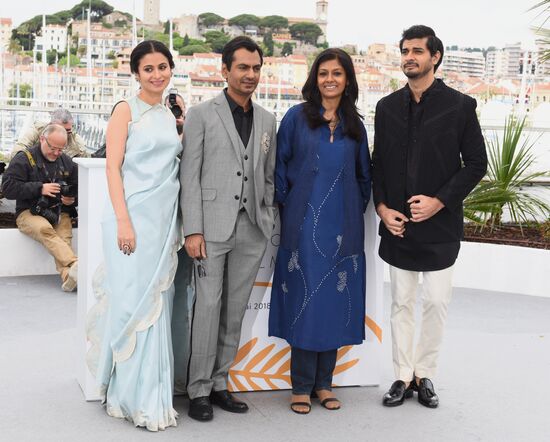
x=311 y=370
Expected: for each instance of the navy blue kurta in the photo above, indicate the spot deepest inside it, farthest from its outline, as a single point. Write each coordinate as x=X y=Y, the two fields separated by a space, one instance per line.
x=318 y=294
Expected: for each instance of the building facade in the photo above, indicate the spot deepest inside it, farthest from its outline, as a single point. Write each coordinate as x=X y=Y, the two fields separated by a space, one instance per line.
x=6 y=27
x=54 y=37
x=468 y=63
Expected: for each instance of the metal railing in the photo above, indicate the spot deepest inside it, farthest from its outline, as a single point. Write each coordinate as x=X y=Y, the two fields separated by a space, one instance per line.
x=91 y=126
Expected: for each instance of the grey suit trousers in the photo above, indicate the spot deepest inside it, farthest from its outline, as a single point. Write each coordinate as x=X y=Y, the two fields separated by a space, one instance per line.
x=221 y=298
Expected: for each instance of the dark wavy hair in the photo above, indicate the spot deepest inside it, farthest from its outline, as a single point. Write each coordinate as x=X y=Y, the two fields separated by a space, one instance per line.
x=149 y=47
x=433 y=43
x=353 y=126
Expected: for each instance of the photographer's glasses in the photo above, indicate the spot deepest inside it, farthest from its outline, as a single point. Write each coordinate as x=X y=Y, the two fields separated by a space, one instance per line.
x=53 y=148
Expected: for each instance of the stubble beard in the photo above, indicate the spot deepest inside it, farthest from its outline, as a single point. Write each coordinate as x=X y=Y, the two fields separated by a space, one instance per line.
x=418 y=74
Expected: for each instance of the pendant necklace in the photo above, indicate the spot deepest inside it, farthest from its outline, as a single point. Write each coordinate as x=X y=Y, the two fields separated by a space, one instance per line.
x=332 y=124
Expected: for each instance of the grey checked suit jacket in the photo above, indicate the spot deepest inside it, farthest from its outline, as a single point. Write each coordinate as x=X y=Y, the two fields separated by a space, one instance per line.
x=209 y=166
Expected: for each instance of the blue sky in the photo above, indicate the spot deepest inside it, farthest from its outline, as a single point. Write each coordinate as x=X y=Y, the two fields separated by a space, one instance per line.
x=464 y=22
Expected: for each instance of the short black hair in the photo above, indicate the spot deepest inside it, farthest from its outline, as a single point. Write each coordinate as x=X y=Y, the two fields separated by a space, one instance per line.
x=434 y=44
x=149 y=47
x=238 y=43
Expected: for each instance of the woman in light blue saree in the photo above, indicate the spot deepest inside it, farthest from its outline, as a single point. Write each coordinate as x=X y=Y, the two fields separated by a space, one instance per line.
x=131 y=325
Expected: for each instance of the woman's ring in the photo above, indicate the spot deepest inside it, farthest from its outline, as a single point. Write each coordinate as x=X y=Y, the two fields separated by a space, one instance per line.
x=126 y=248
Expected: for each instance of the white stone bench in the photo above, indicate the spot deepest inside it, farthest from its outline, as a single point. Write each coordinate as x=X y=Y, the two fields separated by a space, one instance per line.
x=23 y=256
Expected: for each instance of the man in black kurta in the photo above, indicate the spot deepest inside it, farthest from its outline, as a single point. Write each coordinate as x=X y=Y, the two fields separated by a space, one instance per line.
x=428 y=155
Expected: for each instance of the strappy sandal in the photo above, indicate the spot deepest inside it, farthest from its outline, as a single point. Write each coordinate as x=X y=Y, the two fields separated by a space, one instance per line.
x=300 y=404
x=324 y=403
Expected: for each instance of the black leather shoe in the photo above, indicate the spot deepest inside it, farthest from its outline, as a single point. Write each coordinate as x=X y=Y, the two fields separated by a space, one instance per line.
x=397 y=394
x=200 y=409
x=227 y=402
x=426 y=393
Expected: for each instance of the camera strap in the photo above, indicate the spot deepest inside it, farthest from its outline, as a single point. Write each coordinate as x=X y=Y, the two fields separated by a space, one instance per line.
x=31 y=159
x=44 y=169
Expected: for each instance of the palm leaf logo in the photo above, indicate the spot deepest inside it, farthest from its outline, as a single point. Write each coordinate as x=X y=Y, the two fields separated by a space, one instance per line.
x=344 y=365
x=256 y=369
x=260 y=367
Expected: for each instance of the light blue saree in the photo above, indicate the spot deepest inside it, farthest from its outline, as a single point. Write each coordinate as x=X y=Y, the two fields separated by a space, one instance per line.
x=130 y=327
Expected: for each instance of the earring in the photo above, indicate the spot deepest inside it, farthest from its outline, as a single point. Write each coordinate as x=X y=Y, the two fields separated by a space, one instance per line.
x=346 y=92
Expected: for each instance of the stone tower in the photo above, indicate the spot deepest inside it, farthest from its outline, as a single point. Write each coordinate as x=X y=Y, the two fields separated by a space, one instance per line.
x=151 y=12
x=321 y=15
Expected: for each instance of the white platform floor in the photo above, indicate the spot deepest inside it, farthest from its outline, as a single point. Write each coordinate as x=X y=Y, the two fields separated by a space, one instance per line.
x=493 y=382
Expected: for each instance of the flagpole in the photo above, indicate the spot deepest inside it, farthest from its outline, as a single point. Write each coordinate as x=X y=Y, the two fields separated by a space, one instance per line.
x=43 y=94
x=134 y=27
x=89 y=60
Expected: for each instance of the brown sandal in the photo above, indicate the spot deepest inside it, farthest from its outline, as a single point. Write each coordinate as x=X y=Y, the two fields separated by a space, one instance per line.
x=300 y=404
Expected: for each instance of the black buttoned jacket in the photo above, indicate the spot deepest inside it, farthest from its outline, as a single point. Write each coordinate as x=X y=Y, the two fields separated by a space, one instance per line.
x=451 y=161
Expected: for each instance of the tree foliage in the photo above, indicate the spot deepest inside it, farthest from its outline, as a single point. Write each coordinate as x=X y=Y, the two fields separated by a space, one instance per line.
x=543 y=30
x=510 y=163
x=510 y=166
x=217 y=40
x=183 y=42
x=287 y=49
x=121 y=23
x=210 y=19
x=177 y=41
x=27 y=30
x=154 y=35
x=306 y=32
x=25 y=91
x=51 y=56
x=98 y=8
x=268 y=44
x=14 y=46
x=192 y=49
x=74 y=61
x=244 y=20
x=274 y=22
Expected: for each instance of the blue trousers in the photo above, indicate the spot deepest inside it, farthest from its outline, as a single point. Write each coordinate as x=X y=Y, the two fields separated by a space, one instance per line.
x=311 y=370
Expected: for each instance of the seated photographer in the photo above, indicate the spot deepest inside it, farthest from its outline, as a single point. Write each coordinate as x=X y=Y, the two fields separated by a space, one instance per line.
x=76 y=147
x=44 y=183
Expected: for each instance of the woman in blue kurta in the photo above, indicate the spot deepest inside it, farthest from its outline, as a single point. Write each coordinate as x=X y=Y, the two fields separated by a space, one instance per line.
x=130 y=327
x=322 y=185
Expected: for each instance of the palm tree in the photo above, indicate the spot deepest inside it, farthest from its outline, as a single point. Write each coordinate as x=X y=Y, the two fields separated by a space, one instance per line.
x=510 y=162
x=481 y=202
x=542 y=30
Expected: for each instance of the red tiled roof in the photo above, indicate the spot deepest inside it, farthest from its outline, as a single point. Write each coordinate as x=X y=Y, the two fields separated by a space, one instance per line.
x=285 y=60
x=481 y=88
x=206 y=55
x=209 y=78
x=207 y=68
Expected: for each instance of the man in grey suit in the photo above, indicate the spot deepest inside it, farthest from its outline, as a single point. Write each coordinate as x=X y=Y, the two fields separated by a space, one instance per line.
x=227 y=206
